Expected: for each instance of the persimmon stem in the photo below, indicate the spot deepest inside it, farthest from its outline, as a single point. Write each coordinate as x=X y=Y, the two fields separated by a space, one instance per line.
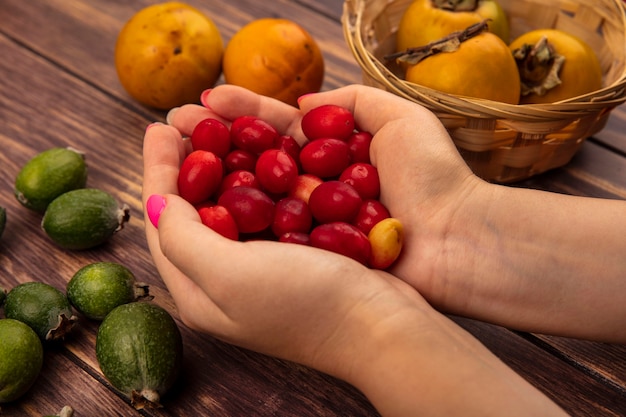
x=539 y=67
x=449 y=43
x=456 y=5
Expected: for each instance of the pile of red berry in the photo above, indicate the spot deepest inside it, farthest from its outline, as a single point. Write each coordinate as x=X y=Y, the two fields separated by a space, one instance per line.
x=252 y=182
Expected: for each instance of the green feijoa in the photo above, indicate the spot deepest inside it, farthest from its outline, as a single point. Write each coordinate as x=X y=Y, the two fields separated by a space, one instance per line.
x=41 y=306
x=139 y=350
x=84 y=218
x=3 y=219
x=48 y=175
x=21 y=359
x=97 y=288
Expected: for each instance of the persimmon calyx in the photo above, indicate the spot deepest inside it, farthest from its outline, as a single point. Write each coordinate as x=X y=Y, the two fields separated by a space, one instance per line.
x=456 y=5
x=449 y=43
x=539 y=67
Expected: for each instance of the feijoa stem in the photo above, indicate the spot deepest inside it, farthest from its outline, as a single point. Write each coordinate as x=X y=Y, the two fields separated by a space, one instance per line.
x=142 y=292
x=146 y=398
x=539 y=67
x=449 y=43
x=456 y=5
x=123 y=216
x=66 y=411
x=63 y=327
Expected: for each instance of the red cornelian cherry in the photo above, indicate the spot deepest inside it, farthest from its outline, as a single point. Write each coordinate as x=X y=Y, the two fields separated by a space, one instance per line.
x=334 y=201
x=211 y=135
x=251 y=208
x=238 y=159
x=290 y=145
x=200 y=176
x=328 y=121
x=342 y=238
x=370 y=213
x=276 y=171
x=237 y=179
x=252 y=134
x=325 y=158
x=359 y=146
x=291 y=215
x=364 y=178
x=219 y=219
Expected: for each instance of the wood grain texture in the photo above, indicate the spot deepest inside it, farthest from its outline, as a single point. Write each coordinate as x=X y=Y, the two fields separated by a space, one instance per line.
x=58 y=87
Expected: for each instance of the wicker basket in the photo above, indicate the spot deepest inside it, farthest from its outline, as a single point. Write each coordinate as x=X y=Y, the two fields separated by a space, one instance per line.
x=499 y=141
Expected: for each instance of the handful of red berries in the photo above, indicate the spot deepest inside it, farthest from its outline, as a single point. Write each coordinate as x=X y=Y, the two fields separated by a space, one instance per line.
x=252 y=182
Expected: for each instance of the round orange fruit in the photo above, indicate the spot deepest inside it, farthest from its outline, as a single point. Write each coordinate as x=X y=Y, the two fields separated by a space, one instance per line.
x=481 y=67
x=426 y=21
x=276 y=58
x=555 y=65
x=167 y=54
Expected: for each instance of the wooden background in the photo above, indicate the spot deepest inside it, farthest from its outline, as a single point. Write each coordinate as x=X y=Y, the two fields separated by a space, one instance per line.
x=58 y=87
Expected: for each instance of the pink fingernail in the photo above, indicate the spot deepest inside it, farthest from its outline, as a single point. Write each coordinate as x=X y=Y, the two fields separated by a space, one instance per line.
x=204 y=97
x=304 y=96
x=151 y=125
x=154 y=207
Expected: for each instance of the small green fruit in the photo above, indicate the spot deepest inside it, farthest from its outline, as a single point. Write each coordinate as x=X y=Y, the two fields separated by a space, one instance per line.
x=84 y=218
x=48 y=175
x=98 y=288
x=21 y=359
x=41 y=306
x=139 y=349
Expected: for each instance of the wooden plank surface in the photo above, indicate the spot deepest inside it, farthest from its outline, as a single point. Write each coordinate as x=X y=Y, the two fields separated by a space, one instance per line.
x=59 y=88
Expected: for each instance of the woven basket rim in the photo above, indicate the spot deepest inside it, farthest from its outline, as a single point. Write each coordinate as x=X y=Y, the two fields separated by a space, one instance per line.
x=594 y=102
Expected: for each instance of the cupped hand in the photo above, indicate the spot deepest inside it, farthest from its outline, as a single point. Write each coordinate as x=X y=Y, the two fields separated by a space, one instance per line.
x=286 y=300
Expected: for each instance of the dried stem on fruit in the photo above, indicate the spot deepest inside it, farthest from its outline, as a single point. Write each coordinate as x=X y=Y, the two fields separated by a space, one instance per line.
x=142 y=292
x=456 y=5
x=66 y=411
x=63 y=327
x=539 y=67
x=146 y=398
x=449 y=43
x=123 y=216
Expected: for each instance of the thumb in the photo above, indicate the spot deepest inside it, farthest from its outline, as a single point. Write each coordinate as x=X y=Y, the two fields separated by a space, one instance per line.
x=181 y=233
x=193 y=248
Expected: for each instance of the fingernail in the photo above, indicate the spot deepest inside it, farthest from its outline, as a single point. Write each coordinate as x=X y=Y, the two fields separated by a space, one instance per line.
x=170 y=115
x=204 y=98
x=304 y=96
x=151 y=125
x=154 y=207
